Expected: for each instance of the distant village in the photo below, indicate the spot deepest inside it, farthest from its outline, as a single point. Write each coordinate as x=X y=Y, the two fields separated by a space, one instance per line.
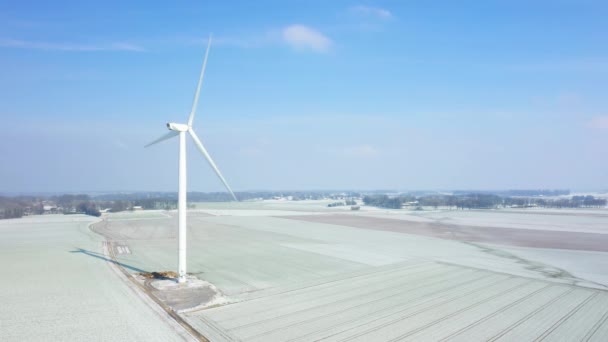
x=482 y=201
x=96 y=205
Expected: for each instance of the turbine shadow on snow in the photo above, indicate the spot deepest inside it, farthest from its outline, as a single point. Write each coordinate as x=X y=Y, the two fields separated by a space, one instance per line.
x=103 y=257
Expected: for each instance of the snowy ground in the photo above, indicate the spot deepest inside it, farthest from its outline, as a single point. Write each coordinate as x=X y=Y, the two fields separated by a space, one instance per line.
x=584 y=220
x=270 y=208
x=284 y=271
x=57 y=286
x=294 y=277
x=221 y=233
x=413 y=302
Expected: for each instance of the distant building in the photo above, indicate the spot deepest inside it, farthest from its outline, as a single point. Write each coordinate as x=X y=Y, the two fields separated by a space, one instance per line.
x=49 y=209
x=410 y=204
x=137 y=207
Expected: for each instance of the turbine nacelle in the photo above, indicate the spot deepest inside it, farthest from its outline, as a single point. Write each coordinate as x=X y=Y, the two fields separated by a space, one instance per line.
x=177 y=127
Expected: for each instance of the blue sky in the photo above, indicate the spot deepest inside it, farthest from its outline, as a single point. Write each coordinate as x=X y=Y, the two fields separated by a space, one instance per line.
x=306 y=94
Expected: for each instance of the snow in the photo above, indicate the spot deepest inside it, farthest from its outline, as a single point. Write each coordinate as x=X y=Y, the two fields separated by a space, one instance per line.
x=278 y=277
x=51 y=291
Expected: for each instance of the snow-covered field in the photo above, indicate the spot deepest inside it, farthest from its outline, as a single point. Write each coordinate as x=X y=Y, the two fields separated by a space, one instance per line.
x=269 y=208
x=286 y=277
x=52 y=291
x=286 y=272
x=571 y=220
x=250 y=233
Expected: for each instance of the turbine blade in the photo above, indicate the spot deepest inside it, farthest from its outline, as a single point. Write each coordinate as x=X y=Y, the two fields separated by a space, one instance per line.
x=169 y=135
x=200 y=83
x=210 y=161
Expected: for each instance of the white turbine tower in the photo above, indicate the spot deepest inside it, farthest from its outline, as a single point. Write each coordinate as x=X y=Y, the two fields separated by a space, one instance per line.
x=181 y=130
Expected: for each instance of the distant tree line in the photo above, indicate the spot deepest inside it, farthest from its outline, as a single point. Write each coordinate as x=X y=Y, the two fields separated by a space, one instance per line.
x=170 y=197
x=16 y=207
x=69 y=203
x=19 y=206
x=384 y=201
x=349 y=201
x=517 y=193
x=574 y=202
x=268 y=195
x=88 y=208
x=481 y=201
x=11 y=209
x=536 y=193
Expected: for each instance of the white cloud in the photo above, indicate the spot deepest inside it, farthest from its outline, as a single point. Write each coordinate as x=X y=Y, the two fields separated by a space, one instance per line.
x=598 y=122
x=25 y=44
x=372 y=11
x=304 y=37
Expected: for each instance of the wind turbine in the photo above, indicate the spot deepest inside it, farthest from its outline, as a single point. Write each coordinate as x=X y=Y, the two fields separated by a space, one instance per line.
x=180 y=129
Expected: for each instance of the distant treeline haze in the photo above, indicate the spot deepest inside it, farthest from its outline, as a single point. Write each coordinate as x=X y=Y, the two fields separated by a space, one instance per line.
x=15 y=207
x=481 y=201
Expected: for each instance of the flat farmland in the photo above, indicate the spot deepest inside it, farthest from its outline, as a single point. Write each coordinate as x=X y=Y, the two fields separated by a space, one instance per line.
x=339 y=275
x=523 y=237
x=58 y=286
